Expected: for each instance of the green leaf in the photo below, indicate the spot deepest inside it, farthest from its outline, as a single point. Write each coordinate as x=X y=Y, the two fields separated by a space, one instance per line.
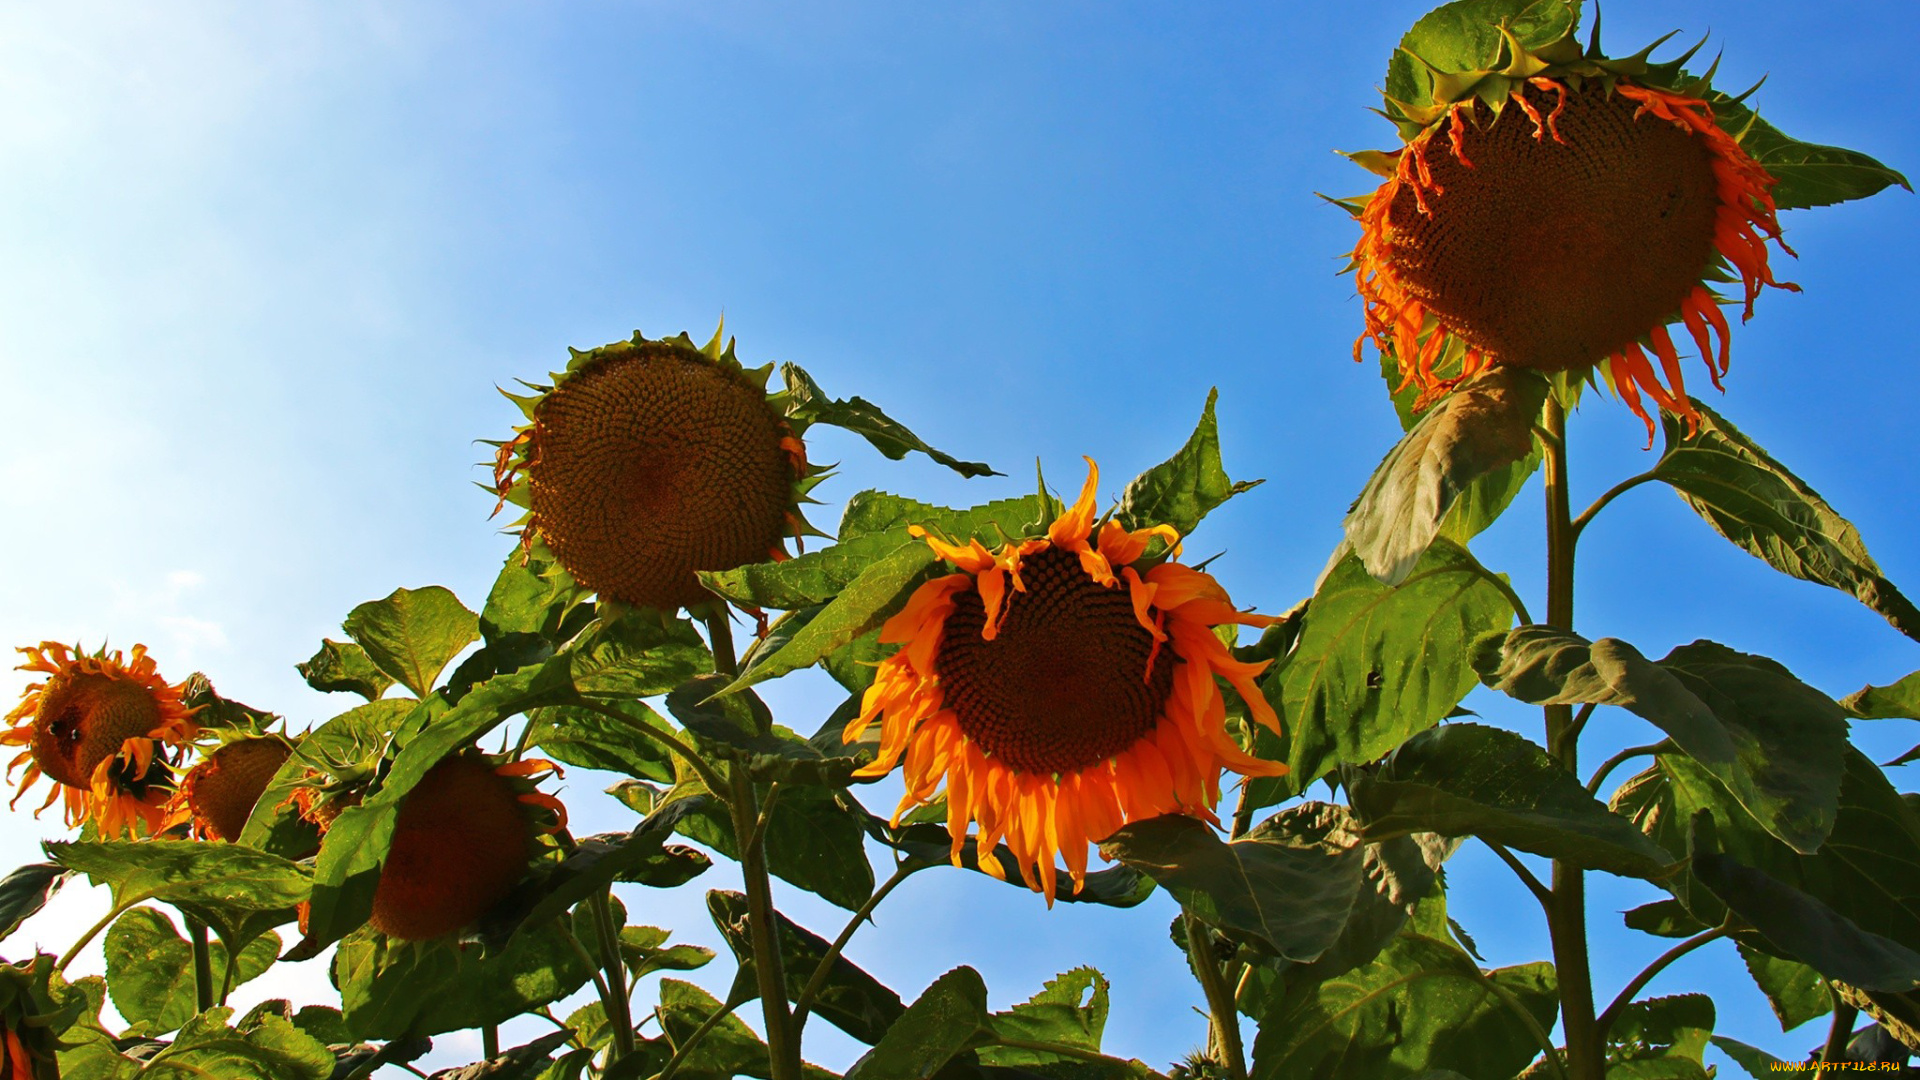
x=150 y=970
x=638 y=654
x=1374 y=664
x=812 y=841
x=26 y=891
x=391 y=989
x=644 y=950
x=1398 y=874
x=344 y=666
x=528 y=1062
x=595 y=863
x=729 y=1049
x=1754 y=501
x=1664 y=918
x=993 y=523
x=1472 y=780
x=345 y=876
x=1421 y=1005
x=350 y=744
x=1796 y=991
x=940 y=1025
x=273 y=1050
x=1774 y=741
x=1808 y=174
x=1287 y=889
x=1661 y=1039
x=1757 y=1062
x=807 y=403
x=723 y=727
x=592 y=740
x=849 y=999
x=532 y=595
x=323 y=1023
x=1809 y=930
x=1187 y=486
x=1070 y=1011
x=1484 y=427
x=412 y=634
x=1900 y=701
x=236 y=890
x=869 y=600
x=1464 y=36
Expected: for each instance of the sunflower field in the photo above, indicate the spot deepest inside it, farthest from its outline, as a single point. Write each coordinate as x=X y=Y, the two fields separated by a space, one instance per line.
x=1048 y=690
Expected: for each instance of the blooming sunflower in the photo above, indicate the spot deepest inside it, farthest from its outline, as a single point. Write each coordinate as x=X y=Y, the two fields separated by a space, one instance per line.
x=460 y=843
x=96 y=728
x=1559 y=211
x=219 y=793
x=646 y=461
x=1059 y=693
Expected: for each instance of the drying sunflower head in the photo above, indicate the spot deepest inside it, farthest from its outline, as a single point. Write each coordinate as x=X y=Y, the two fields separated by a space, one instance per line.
x=1060 y=687
x=220 y=792
x=105 y=731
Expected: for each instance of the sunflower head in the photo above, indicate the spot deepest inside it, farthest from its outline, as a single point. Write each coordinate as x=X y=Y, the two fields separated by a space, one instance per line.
x=646 y=461
x=462 y=840
x=1557 y=210
x=104 y=730
x=1059 y=687
x=220 y=792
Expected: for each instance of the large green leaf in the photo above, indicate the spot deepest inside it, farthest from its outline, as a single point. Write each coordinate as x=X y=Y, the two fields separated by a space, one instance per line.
x=1774 y=741
x=412 y=634
x=1465 y=36
x=1184 y=488
x=592 y=740
x=870 y=512
x=274 y=1049
x=1472 y=780
x=1374 y=664
x=1288 y=888
x=1760 y=505
x=942 y=1023
x=1796 y=991
x=150 y=970
x=729 y=1049
x=1483 y=427
x=1800 y=924
x=26 y=891
x=236 y=890
x=532 y=595
x=849 y=998
x=1661 y=1039
x=1070 y=1011
x=809 y=404
x=637 y=654
x=344 y=666
x=1421 y=1005
x=391 y=989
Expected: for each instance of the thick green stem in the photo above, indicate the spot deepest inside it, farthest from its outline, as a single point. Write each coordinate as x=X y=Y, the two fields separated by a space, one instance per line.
x=1660 y=963
x=1567 y=913
x=783 y=1045
x=489 y=1042
x=1224 y=1044
x=619 y=1008
x=202 y=964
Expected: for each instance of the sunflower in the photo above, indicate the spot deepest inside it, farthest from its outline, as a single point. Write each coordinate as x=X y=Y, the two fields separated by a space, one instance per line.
x=94 y=727
x=219 y=793
x=461 y=842
x=646 y=461
x=1558 y=213
x=1058 y=692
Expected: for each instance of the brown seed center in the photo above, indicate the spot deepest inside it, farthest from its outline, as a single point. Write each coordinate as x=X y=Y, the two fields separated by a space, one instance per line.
x=1553 y=255
x=83 y=719
x=1066 y=683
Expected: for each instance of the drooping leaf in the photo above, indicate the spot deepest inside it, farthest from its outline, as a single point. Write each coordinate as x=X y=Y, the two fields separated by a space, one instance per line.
x=1471 y=780
x=26 y=891
x=1375 y=664
x=809 y=404
x=644 y=950
x=1796 y=991
x=412 y=634
x=1287 y=889
x=1421 y=1005
x=236 y=890
x=1760 y=505
x=638 y=654
x=942 y=1023
x=532 y=595
x=344 y=666
x=1807 y=174
x=272 y=1050
x=1484 y=426
x=150 y=970
x=849 y=998
x=1661 y=1039
x=993 y=523
x=595 y=863
x=576 y=735
x=725 y=730
x=1774 y=741
x=347 y=745
x=1187 y=486
x=390 y=988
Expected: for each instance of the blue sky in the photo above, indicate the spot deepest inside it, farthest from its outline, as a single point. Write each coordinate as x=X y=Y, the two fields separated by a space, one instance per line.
x=265 y=264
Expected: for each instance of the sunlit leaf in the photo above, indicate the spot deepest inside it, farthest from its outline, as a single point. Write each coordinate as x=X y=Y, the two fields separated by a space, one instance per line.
x=273 y=1050
x=349 y=743
x=1796 y=991
x=939 y=1025
x=1465 y=36
x=807 y=403
x=412 y=634
x=592 y=740
x=1187 y=486
x=391 y=988
x=150 y=970
x=236 y=890
x=344 y=666
x=1070 y=1011
x=1807 y=174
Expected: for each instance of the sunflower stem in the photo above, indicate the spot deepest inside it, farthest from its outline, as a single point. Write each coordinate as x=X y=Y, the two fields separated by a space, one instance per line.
x=783 y=1045
x=804 y=1003
x=1567 y=911
x=1660 y=964
x=202 y=964
x=489 y=1042
x=1224 y=1041
x=1840 y=1033
x=619 y=1009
